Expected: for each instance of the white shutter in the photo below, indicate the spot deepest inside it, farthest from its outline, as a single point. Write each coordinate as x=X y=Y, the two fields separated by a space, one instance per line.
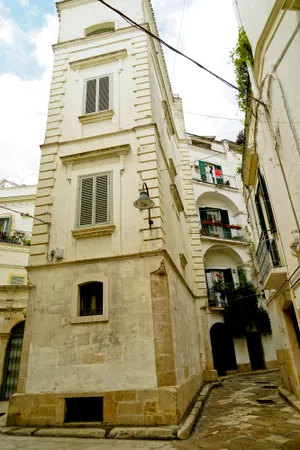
x=17 y=281
x=103 y=103
x=86 y=201
x=102 y=199
x=90 y=103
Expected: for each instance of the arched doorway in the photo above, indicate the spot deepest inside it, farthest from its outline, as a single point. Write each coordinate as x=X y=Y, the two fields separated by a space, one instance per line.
x=12 y=361
x=222 y=348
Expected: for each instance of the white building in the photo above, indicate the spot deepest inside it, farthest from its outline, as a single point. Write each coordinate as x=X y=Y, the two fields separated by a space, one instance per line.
x=114 y=330
x=226 y=247
x=271 y=166
x=16 y=205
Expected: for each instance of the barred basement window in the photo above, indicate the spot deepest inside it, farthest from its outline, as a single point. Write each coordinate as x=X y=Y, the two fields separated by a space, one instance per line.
x=98 y=94
x=91 y=299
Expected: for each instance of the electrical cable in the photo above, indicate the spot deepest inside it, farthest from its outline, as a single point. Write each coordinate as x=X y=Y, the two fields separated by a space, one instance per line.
x=213 y=117
x=178 y=40
x=161 y=41
x=24 y=214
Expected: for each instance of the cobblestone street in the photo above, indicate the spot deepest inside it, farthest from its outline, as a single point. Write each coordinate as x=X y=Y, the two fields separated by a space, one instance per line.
x=245 y=414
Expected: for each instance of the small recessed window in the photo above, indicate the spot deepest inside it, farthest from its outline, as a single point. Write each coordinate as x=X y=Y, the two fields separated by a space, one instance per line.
x=106 y=27
x=91 y=299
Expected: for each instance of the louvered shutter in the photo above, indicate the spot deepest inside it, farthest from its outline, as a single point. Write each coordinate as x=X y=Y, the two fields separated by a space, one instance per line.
x=91 y=89
x=103 y=104
x=202 y=171
x=86 y=202
x=268 y=206
x=17 y=281
x=102 y=199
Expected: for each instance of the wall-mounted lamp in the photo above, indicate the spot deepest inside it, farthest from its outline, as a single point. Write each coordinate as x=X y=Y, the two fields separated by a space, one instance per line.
x=144 y=202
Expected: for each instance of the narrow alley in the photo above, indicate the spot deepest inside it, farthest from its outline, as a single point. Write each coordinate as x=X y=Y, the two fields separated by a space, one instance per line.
x=247 y=413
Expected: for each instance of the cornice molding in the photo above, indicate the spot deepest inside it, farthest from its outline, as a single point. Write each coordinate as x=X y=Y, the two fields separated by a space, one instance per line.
x=265 y=38
x=96 y=117
x=18 y=198
x=64 y=4
x=77 y=158
x=98 y=60
x=84 y=233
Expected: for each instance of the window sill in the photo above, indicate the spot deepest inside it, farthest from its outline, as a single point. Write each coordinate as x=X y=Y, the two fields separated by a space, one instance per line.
x=96 y=117
x=89 y=319
x=83 y=233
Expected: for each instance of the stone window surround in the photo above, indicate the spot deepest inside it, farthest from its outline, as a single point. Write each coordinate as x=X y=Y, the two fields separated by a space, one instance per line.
x=95 y=61
x=75 y=303
x=98 y=116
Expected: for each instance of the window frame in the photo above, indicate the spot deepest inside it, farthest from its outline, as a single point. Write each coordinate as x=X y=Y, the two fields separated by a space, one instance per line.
x=8 y=219
x=17 y=275
x=110 y=200
x=110 y=76
x=80 y=287
x=75 y=303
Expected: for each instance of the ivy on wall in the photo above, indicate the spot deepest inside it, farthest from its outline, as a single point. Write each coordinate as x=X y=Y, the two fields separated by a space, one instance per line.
x=243 y=314
x=241 y=57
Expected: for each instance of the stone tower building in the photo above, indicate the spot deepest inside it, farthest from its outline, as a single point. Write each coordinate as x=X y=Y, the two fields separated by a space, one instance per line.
x=115 y=329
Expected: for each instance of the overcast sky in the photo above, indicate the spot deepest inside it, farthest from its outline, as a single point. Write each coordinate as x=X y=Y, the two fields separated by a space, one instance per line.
x=29 y=27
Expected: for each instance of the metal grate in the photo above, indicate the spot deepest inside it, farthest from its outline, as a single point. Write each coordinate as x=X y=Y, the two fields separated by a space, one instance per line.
x=267 y=254
x=14 y=352
x=91 y=299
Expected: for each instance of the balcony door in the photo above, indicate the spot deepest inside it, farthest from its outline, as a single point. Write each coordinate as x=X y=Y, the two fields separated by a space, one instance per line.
x=218 y=219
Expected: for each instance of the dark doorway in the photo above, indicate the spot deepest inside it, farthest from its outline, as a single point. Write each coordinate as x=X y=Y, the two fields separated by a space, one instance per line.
x=255 y=350
x=12 y=361
x=222 y=348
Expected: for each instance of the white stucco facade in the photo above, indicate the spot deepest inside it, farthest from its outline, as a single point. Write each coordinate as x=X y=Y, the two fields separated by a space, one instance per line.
x=226 y=251
x=16 y=212
x=113 y=125
x=15 y=230
x=271 y=167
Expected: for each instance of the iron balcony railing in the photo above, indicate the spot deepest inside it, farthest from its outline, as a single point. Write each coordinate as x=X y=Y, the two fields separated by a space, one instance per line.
x=267 y=254
x=222 y=231
x=16 y=237
x=224 y=180
x=217 y=295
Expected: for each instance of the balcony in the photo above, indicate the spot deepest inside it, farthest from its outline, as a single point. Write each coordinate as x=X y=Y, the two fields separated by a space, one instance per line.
x=226 y=181
x=219 y=230
x=216 y=299
x=15 y=237
x=272 y=274
x=221 y=293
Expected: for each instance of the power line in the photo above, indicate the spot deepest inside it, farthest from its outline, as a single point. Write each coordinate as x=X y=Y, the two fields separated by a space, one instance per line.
x=24 y=214
x=178 y=40
x=161 y=41
x=212 y=117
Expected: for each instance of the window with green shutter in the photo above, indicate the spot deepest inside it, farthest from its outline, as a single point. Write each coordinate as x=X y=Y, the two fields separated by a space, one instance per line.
x=95 y=200
x=98 y=94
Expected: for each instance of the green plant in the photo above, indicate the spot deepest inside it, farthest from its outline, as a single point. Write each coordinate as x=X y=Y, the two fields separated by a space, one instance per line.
x=241 y=57
x=239 y=170
x=243 y=314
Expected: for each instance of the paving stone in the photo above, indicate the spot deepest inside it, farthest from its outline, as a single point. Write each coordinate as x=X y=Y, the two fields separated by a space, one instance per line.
x=94 y=433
